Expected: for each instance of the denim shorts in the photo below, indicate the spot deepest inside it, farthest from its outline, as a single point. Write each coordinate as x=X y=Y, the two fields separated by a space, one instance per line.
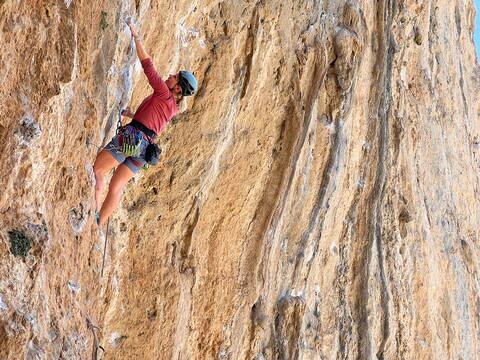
x=133 y=163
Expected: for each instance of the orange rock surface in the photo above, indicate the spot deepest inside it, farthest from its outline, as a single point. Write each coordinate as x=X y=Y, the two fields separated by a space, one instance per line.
x=316 y=199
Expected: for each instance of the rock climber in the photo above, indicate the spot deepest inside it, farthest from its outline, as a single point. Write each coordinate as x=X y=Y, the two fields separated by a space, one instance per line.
x=130 y=149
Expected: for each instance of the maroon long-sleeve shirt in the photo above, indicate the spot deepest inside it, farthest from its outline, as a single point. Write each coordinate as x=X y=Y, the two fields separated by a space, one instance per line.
x=157 y=109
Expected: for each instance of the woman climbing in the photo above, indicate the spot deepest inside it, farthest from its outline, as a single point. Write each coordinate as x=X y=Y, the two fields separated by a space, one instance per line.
x=129 y=149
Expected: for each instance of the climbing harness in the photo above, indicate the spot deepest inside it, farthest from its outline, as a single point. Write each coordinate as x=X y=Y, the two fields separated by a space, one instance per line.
x=153 y=151
x=130 y=140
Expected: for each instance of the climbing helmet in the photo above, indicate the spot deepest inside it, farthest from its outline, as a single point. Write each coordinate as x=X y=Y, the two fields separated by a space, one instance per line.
x=187 y=82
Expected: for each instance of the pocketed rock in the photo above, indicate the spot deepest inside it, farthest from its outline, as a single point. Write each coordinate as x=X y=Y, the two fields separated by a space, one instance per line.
x=78 y=217
x=346 y=49
x=27 y=132
x=316 y=199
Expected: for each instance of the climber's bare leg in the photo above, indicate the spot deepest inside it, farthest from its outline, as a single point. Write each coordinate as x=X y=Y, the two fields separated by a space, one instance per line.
x=103 y=164
x=120 y=177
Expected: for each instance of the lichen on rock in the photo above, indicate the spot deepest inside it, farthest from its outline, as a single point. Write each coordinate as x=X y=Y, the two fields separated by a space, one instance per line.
x=20 y=243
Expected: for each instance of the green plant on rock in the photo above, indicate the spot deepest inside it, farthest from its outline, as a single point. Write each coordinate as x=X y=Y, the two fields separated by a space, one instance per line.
x=103 y=20
x=20 y=243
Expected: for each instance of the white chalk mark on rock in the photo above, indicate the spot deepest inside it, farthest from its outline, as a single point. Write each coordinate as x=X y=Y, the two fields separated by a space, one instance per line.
x=3 y=306
x=73 y=287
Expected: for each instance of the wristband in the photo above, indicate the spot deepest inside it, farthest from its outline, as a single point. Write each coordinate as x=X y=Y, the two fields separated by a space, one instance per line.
x=137 y=37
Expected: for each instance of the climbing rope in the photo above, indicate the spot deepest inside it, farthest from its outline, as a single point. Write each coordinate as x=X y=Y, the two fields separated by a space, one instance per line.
x=105 y=247
x=96 y=346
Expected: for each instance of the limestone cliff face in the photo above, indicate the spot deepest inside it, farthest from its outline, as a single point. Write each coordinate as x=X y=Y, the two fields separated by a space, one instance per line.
x=317 y=199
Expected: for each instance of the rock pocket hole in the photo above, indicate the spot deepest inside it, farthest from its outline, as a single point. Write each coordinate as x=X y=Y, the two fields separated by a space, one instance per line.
x=103 y=20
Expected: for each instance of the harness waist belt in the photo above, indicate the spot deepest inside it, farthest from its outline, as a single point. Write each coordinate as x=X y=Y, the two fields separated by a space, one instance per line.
x=139 y=126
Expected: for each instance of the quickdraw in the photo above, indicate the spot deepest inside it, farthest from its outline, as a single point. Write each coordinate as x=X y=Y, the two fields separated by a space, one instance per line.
x=130 y=140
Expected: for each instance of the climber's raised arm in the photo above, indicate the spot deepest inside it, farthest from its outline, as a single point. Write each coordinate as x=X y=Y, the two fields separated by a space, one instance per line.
x=154 y=79
x=142 y=54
